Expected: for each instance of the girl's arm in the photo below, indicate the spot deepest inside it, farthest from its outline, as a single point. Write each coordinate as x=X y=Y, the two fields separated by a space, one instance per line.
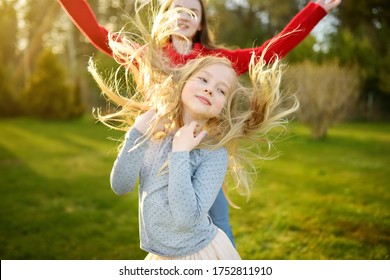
x=191 y=196
x=85 y=20
x=127 y=166
x=125 y=173
x=293 y=34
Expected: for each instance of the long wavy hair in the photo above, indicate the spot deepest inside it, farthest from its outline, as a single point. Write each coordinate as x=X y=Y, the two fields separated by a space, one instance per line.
x=243 y=126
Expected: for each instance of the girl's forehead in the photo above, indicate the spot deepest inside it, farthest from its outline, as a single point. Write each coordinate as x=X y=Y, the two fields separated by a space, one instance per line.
x=189 y=4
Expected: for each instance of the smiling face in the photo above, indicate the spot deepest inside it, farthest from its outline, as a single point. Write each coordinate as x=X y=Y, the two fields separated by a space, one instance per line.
x=189 y=25
x=205 y=93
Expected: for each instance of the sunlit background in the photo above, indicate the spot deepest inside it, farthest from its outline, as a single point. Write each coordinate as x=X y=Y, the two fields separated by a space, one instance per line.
x=325 y=197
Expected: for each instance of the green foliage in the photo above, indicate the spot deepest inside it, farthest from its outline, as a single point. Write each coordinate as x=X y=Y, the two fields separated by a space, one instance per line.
x=240 y=21
x=252 y=22
x=373 y=15
x=384 y=73
x=48 y=95
x=352 y=49
x=318 y=200
x=364 y=38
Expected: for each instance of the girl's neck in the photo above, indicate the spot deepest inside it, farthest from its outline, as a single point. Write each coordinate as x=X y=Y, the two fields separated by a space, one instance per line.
x=181 y=45
x=187 y=118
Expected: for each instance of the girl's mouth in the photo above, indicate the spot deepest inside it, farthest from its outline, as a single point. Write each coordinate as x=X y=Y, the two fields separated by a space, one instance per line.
x=183 y=26
x=204 y=100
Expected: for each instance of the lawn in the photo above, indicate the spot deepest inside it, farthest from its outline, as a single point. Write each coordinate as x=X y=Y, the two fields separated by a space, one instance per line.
x=318 y=200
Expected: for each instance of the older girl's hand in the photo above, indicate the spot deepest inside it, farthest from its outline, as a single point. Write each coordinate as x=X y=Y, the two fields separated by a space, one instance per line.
x=328 y=5
x=142 y=122
x=186 y=138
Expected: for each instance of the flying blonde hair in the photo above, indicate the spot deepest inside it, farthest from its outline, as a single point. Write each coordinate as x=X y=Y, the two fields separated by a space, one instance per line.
x=151 y=81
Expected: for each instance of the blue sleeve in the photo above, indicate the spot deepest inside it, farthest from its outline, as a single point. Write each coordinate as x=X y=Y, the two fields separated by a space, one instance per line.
x=219 y=214
x=191 y=197
x=127 y=166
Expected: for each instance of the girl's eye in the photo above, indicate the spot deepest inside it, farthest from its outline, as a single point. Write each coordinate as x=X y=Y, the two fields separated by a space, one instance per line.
x=221 y=91
x=203 y=79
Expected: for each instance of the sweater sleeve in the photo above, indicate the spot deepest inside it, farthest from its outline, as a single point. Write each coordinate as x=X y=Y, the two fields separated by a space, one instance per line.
x=191 y=197
x=83 y=17
x=280 y=45
x=127 y=166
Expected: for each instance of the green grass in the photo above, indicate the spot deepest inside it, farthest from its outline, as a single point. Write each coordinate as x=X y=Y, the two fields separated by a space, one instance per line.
x=318 y=200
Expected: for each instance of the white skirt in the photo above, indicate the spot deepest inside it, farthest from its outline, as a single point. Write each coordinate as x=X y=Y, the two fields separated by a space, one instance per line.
x=220 y=248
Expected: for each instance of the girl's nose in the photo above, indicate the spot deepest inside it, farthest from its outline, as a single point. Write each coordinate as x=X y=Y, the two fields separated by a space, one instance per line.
x=185 y=15
x=209 y=91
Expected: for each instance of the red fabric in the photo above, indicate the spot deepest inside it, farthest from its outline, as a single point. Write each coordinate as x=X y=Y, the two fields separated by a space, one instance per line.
x=294 y=33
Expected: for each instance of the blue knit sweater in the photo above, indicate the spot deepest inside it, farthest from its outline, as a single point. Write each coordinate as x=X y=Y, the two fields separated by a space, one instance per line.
x=174 y=201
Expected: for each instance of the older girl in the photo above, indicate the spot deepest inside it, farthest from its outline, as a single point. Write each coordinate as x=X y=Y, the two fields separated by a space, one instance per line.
x=197 y=39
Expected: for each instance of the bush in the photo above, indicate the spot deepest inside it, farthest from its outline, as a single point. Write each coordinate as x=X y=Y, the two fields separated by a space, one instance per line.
x=48 y=95
x=326 y=92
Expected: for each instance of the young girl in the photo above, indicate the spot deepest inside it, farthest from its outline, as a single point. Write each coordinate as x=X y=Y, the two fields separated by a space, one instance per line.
x=194 y=39
x=188 y=136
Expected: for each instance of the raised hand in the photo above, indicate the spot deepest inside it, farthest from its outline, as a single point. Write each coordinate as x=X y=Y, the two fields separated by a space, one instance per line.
x=328 y=4
x=142 y=122
x=186 y=138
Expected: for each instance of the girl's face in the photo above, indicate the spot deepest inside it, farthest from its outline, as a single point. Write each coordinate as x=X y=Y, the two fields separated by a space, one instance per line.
x=204 y=94
x=188 y=25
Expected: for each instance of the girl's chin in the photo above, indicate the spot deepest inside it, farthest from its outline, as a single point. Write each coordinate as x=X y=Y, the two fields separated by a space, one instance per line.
x=185 y=33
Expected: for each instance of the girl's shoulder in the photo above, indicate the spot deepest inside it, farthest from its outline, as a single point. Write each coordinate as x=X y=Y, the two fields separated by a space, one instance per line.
x=217 y=155
x=210 y=159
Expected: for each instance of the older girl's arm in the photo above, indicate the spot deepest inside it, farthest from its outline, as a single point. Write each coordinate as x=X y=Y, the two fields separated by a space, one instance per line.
x=281 y=44
x=83 y=17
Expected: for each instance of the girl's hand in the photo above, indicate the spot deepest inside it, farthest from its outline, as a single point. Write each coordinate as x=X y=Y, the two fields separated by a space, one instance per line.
x=142 y=122
x=186 y=138
x=328 y=5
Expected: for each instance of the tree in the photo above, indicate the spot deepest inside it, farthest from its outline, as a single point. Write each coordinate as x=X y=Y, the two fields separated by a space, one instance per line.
x=48 y=95
x=8 y=27
x=371 y=16
x=8 y=102
x=39 y=17
x=251 y=21
x=364 y=38
x=326 y=92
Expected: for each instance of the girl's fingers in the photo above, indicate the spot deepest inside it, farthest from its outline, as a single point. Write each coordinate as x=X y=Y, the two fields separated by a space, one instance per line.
x=193 y=124
x=200 y=136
